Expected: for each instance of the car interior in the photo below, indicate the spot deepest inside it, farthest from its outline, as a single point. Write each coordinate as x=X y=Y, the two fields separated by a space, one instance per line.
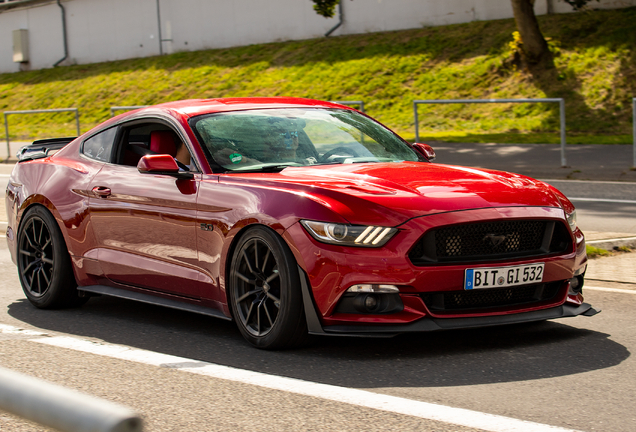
x=152 y=138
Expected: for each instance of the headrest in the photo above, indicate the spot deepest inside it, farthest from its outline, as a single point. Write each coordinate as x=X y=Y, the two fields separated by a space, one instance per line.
x=162 y=142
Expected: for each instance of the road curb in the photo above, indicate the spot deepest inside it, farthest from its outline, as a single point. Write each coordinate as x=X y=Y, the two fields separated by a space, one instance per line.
x=610 y=244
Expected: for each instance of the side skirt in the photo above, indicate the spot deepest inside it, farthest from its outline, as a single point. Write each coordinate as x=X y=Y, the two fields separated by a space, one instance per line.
x=154 y=300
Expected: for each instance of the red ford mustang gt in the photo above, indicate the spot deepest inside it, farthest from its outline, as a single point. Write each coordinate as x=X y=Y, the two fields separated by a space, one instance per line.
x=290 y=217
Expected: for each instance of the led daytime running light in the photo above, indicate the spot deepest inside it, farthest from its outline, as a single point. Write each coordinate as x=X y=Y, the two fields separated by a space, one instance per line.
x=364 y=234
x=349 y=235
x=372 y=235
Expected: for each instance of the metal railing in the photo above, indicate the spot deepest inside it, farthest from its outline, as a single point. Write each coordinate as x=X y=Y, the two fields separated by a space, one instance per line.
x=125 y=108
x=349 y=103
x=62 y=409
x=560 y=101
x=8 y=113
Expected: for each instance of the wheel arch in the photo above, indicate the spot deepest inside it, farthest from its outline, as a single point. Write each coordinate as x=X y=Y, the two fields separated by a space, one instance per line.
x=38 y=200
x=309 y=306
x=234 y=237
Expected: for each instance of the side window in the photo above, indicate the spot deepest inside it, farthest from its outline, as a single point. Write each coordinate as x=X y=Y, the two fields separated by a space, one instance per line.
x=142 y=139
x=100 y=146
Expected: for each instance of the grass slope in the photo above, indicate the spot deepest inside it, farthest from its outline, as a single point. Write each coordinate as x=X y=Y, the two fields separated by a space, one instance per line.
x=594 y=70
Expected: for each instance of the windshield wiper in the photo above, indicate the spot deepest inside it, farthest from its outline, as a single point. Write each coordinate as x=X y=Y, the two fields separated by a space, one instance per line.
x=266 y=168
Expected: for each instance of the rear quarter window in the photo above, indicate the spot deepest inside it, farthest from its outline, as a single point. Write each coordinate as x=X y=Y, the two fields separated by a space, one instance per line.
x=100 y=146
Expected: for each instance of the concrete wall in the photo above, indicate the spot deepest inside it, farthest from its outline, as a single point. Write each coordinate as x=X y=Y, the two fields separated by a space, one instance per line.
x=45 y=36
x=104 y=30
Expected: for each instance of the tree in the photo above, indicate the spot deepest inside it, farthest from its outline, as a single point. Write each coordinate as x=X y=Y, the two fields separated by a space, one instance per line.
x=535 y=47
x=326 y=8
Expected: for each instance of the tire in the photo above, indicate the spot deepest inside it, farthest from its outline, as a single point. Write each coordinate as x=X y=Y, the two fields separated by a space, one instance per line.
x=44 y=264
x=264 y=291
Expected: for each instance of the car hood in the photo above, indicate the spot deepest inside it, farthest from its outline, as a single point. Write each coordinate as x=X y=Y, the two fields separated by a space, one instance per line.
x=395 y=192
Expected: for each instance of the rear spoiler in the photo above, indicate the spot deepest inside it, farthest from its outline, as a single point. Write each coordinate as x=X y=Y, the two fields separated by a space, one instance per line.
x=42 y=148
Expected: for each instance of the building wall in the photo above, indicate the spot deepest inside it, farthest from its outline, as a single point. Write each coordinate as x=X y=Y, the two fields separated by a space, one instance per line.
x=45 y=36
x=105 y=30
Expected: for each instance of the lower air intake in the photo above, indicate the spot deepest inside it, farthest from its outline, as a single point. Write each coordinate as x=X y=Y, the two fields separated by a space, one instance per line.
x=474 y=300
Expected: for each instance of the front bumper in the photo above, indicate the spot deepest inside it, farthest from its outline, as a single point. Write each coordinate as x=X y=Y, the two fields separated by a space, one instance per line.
x=331 y=270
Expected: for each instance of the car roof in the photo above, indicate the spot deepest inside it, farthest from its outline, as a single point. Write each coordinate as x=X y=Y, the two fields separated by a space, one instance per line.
x=195 y=107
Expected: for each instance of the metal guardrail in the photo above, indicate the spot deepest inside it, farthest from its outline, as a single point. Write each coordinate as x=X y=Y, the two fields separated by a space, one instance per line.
x=560 y=101
x=7 y=113
x=349 y=103
x=61 y=408
x=125 y=108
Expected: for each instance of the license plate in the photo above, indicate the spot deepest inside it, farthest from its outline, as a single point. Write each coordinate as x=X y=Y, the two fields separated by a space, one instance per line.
x=499 y=277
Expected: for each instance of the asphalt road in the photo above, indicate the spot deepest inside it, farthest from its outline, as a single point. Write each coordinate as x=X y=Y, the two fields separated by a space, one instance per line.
x=602 y=206
x=574 y=373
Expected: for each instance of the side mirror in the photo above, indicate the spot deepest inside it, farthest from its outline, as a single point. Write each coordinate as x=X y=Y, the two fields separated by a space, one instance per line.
x=161 y=164
x=426 y=150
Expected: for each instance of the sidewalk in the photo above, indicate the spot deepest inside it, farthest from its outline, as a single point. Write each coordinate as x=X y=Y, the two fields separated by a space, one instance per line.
x=15 y=146
x=619 y=269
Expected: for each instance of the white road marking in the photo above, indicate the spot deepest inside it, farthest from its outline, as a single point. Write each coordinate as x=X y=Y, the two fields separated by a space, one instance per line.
x=362 y=398
x=7 y=329
x=617 y=201
x=615 y=290
x=585 y=181
x=610 y=240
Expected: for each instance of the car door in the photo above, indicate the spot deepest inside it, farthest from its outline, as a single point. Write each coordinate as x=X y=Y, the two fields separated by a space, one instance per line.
x=145 y=223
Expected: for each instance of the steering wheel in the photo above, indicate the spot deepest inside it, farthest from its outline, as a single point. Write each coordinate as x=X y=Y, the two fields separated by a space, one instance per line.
x=182 y=165
x=334 y=151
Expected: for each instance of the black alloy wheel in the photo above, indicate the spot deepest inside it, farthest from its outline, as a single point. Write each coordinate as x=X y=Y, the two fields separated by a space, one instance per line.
x=36 y=257
x=264 y=291
x=44 y=264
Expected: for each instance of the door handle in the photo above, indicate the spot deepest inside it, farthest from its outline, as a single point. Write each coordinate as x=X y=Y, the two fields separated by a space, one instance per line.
x=101 y=191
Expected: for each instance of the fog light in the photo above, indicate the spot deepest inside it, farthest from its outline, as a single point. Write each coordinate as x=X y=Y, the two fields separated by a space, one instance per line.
x=372 y=288
x=576 y=285
x=370 y=302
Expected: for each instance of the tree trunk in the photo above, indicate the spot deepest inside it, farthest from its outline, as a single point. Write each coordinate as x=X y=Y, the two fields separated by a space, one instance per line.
x=534 y=45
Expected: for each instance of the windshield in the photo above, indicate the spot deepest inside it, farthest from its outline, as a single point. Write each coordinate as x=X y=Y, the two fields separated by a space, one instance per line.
x=273 y=139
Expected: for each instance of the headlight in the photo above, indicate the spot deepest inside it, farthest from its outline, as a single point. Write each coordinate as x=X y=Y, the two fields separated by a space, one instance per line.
x=571 y=217
x=349 y=235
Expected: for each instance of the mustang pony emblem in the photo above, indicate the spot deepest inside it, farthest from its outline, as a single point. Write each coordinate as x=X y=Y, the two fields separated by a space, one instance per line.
x=494 y=240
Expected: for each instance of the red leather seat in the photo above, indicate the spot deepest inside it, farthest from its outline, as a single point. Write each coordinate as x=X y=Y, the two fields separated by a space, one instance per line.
x=162 y=142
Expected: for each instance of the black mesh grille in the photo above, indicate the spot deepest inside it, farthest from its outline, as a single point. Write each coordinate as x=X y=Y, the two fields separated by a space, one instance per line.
x=490 y=240
x=491 y=298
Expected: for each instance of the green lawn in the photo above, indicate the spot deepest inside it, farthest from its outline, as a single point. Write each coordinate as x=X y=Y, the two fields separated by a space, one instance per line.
x=594 y=70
